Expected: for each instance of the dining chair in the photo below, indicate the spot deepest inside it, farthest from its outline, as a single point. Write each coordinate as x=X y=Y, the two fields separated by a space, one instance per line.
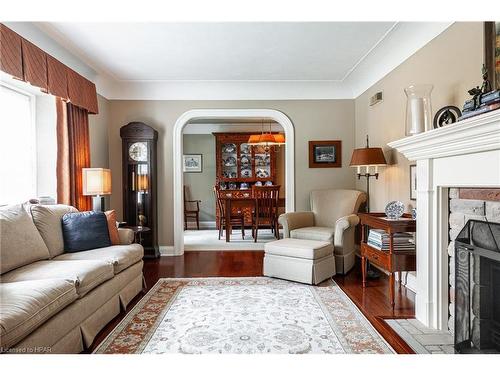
x=266 y=209
x=191 y=210
x=236 y=218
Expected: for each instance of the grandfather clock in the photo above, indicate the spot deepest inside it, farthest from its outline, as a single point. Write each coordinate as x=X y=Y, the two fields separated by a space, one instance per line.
x=139 y=184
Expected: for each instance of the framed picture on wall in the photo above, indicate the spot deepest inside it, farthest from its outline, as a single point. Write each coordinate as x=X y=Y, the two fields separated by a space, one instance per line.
x=413 y=182
x=492 y=52
x=325 y=154
x=192 y=163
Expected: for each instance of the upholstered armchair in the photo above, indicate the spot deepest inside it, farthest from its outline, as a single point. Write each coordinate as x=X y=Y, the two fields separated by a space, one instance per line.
x=332 y=218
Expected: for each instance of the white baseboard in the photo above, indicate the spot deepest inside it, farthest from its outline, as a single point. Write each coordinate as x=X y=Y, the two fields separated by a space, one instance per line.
x=203 y=225
x=166 y=251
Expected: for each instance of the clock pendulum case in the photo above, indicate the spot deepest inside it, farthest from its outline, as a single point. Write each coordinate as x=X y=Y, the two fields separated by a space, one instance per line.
x=139 y=155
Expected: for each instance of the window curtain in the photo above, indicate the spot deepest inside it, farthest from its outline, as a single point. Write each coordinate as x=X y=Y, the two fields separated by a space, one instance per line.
x=73 y=154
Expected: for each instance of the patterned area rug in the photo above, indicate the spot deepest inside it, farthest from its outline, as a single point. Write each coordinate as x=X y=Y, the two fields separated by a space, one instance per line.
x=244 y=315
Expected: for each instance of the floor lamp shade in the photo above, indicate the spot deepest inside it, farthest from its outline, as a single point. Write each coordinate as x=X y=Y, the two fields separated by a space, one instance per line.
x=97 y=182
x=368 y=156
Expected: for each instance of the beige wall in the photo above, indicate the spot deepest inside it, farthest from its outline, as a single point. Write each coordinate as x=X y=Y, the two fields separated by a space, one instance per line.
x=452 y=63
x=313 y=120
x=199 y=185
x=98 y=133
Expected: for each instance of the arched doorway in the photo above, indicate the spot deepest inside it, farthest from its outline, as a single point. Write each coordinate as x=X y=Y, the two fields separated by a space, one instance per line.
x=197 y=114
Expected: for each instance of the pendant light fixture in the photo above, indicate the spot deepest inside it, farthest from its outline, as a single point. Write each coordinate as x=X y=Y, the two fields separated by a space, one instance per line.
x=266 y=139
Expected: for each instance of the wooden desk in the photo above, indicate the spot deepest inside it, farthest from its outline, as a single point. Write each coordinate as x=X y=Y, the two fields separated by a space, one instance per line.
x=229 y=200
x=392 y=260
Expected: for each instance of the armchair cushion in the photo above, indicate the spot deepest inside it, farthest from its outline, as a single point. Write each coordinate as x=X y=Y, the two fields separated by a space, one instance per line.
x=313 y=233
x=294 y=220
x=331 y=204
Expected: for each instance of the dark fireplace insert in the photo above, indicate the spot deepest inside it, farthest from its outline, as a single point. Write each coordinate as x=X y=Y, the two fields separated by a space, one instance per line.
x=477 y=288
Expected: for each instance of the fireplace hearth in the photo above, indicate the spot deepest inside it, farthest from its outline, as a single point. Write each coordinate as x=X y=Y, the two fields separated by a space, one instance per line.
x=477 y=288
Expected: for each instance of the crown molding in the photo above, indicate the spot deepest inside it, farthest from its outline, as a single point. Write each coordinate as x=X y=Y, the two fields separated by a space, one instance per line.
x=403 y=40
x=223 y=90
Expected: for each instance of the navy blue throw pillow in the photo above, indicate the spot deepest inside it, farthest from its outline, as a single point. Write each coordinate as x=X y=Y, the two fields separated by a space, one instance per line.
x=85 y=231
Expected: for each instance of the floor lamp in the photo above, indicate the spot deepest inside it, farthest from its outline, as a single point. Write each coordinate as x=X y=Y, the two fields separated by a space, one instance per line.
x=368 y=158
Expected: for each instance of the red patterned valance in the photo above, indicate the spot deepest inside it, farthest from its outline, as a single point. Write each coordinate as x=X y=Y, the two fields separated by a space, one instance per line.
x=23 y=60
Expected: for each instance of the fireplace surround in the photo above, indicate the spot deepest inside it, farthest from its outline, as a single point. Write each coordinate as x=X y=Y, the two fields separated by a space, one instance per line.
x=465 y=154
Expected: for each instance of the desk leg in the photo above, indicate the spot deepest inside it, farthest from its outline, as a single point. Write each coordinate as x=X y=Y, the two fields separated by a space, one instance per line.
x=228 y=220
x=391 y=289
x=363 y=270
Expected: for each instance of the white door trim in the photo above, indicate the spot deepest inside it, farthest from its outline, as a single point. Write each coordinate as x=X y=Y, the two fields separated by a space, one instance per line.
x=196 y=114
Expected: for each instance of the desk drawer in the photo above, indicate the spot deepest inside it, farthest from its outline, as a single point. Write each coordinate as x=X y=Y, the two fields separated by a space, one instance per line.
x=378 y=257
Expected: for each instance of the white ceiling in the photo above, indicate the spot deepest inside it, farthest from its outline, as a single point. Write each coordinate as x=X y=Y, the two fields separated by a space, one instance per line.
x=225 y=51
x=240 y=60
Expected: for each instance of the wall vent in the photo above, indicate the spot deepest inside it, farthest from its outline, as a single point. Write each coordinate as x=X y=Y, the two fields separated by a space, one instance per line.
x=377 y=98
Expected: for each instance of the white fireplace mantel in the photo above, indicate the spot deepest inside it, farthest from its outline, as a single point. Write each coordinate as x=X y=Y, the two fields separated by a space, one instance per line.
x=465 y=154
x=477 y=134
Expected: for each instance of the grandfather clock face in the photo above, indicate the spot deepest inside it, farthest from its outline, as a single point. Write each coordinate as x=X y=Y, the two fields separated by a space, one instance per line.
x=138 y=151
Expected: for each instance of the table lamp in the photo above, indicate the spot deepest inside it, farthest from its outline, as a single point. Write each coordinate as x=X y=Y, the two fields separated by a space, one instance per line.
x=368 y=157
x=97 y=182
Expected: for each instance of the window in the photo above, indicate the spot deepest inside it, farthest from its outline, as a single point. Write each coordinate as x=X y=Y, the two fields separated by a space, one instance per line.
x=17 y=145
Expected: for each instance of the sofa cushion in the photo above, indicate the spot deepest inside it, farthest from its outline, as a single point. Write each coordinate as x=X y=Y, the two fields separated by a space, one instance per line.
x=48 y=222
x=20 y=242
x=112 y=227
x=305 y=249
x=86 y=274
x=85 y=231
x=121 y=256
x=25 y=305
x=313 y=233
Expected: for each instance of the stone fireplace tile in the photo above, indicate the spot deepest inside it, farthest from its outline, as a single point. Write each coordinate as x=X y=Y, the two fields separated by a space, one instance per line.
x=493 y=211
x=467 y=206
x=415 y=323
x=434 y=339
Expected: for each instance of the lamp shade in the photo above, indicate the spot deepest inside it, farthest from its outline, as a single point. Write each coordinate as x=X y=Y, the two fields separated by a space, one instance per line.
x=254 y=139
x=367 y=156
x=96 y=181
x=266 y=139
x=279 y=139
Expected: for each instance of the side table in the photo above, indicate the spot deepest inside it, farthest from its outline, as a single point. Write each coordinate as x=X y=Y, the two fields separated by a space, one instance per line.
x=392 y=260
x=138 y=231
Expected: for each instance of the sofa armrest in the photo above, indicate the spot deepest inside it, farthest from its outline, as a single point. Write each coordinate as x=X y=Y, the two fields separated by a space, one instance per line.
x=126 y=236
x=344 y=231
x=295 y=220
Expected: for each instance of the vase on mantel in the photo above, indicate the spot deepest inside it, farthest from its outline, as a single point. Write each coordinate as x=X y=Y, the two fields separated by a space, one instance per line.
x=418 y=109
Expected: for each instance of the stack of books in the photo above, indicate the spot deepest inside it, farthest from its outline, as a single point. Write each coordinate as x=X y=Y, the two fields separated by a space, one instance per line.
x=379 y=239
x=488 y=102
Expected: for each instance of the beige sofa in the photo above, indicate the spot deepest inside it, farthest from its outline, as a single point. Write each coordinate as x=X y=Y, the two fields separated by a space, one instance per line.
x=332 y=218
x=56 y=302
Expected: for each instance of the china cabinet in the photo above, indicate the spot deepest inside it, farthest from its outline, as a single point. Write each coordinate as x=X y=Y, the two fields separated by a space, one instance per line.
x=239 y=166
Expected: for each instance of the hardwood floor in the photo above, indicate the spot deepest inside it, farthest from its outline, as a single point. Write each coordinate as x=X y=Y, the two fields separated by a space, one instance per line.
x=373 y=301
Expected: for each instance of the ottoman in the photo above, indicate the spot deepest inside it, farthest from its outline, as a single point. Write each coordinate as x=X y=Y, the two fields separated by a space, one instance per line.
x=304 y=261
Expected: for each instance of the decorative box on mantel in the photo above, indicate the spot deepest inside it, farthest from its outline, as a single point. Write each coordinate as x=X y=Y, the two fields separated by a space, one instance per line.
x=464 y=154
